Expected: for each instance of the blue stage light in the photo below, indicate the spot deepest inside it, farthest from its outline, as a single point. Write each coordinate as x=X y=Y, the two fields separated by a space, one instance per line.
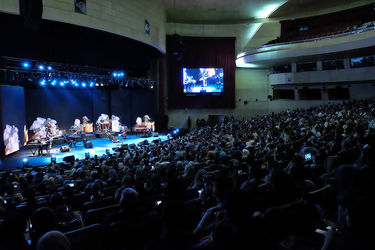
x=92 y=84
x=41 y=67
x=53 y=159
x=114 y=74
x=76 y=84
x=25 y=162
x=62 y=84
x=26 y=65
x=49 y=68
x=83 y=84
x=121 y=74
x=53 y=83
x=43 y=82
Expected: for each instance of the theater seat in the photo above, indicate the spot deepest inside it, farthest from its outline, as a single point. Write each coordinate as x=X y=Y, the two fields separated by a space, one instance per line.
x=98 y=215
x=132 y=233
x=87 y=238
x=108 y=201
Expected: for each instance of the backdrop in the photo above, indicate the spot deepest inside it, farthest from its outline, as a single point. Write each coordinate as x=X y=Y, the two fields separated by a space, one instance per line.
x=65 y=105
x=12 y=112
x=201 y=52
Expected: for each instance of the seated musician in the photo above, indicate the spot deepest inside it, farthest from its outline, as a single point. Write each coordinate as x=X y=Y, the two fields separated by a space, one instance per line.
x=87 y=125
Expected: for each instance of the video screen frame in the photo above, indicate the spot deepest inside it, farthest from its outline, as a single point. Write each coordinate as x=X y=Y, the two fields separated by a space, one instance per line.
x=202 y=81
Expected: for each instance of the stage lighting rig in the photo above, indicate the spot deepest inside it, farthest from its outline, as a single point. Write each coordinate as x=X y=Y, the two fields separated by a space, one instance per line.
x=26 y=71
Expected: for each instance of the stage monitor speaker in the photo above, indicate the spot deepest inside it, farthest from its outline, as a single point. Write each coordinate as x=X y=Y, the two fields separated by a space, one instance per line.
x=124 y=146
x=69 y=158
x=31 y=11
x=65 y=149
x=88 y=145
x=157 y=141
x=156 y=134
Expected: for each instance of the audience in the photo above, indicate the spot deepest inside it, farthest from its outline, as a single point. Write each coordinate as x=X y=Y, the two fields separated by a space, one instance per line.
x=264 y=183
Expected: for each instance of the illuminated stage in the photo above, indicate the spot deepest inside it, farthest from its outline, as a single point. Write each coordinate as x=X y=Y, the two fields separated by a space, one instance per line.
x=100 y=145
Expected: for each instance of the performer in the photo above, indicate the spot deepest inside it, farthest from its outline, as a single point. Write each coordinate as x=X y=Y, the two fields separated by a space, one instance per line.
x=189 y=82
x=76 y=128
x=148 y=124
x=87 y=125
x=103 y=123
x=205 y=75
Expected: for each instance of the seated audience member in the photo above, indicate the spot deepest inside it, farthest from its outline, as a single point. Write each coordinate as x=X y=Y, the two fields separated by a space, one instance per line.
x=53 y=240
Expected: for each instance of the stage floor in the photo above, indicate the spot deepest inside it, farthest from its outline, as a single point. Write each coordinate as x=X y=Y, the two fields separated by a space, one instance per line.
x=100 y=145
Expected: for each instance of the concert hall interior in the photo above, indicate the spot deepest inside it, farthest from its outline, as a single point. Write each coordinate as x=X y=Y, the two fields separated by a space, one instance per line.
x=175 y=124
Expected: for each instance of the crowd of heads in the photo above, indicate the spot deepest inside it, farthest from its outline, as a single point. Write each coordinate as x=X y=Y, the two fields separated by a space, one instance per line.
x=226 y=186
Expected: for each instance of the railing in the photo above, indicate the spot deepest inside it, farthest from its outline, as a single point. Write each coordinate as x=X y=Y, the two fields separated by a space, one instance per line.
x=357 y=31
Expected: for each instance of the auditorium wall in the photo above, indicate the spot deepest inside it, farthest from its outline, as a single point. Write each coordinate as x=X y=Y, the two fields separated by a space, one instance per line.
x=121 y=17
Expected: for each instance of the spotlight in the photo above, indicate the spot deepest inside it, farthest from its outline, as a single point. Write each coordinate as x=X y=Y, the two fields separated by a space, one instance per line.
x=25 y=162
x=76 y=84
x=92 y=84
x=114 y=74
x=43 y=82
x=26 y=65
x=49 y=68
x=62 y=84
x=83 y=84
x=97 y=84
x=41 y=67
x=121 y=74
x=102 y=85
x=53 y=83
x=53 y=159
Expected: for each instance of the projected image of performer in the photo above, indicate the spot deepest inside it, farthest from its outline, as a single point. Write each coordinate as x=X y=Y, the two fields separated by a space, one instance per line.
x=205 y=75
x=189 y=82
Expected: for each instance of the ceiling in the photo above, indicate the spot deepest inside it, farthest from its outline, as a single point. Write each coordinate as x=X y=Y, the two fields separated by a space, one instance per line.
x=251 y=11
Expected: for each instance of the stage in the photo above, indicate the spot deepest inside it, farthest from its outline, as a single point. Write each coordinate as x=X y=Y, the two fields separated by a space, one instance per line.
x=100 y=145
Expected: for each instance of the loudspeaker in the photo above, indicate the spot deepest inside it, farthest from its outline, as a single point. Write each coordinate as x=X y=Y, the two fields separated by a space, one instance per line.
x=124 y=146
x=156 y=134
x=88 y=145
x=157 y=141
x=176 y=46
x=69 y=158
x=65 y=149
x=31 y=11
